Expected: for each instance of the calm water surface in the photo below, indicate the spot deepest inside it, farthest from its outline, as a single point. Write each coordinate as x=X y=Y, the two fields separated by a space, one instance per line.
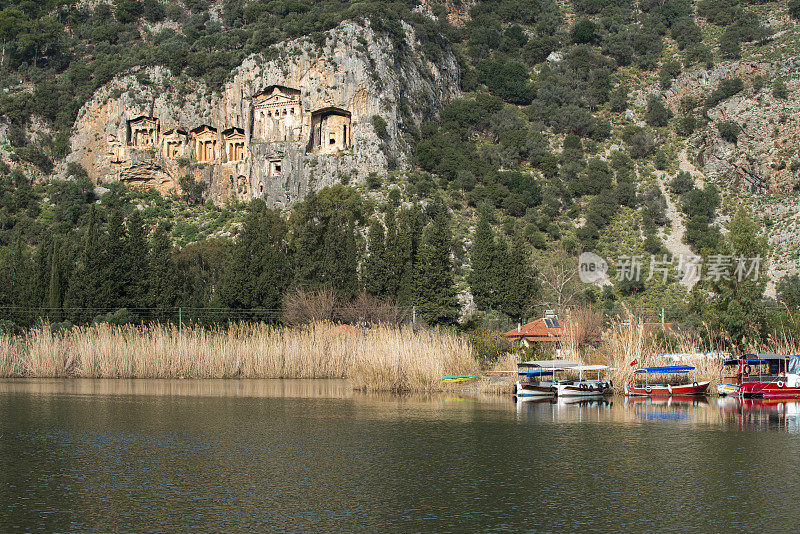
x=258 y=456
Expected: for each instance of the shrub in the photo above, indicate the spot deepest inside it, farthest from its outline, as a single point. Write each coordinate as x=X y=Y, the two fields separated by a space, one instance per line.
x=686 y=125
x=794 y=9
x=657 y=114
x=507 y=79
x=662 y=159
x=729 y=44
x=379 y=124
x=619 y=99
x=779 y=90
x=726 y=89
x=729 y=131
x=584 y=32
x=668 y=71
x=642 y=144
x=682 y=183
x=374 y=181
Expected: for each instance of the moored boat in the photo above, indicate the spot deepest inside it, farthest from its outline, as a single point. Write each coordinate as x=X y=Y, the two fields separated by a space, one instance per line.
x=669 y=385
x=584 y=388
x=771 y=376
x=536 y=378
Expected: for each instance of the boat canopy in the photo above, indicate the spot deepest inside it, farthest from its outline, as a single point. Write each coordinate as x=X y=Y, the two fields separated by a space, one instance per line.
x=537 y=372
x=589 y=368
x=549 y=363
x=666 y=369
x=748 y=361
x=771 y=356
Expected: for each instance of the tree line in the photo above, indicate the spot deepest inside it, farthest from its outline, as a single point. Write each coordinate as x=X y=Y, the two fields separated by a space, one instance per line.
x=115 y=268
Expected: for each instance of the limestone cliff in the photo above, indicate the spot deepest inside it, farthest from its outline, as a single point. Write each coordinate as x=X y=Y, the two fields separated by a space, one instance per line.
x=761 y=158
x=282 y=126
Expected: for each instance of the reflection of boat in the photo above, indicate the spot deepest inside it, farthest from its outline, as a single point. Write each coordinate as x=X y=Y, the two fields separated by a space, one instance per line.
x=536 y=377
x=671 y=400
x=584 y=388
x=459 y=378
x=770 y=376
x=762 y=414
x=670 y=386
x=583 y=402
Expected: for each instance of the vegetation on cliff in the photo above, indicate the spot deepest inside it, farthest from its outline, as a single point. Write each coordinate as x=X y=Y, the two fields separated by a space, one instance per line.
x=562 y=143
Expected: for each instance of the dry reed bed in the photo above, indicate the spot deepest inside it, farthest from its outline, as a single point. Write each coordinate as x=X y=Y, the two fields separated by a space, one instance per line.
x=383 y=358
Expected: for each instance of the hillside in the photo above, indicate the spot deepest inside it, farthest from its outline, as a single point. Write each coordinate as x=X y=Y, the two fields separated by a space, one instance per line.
x=507 y=137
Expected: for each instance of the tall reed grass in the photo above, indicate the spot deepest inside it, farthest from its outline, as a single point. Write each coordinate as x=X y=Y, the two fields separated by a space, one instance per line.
x=382 y=358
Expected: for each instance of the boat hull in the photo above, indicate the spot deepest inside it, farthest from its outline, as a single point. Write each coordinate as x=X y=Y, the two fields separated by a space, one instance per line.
x=769 y=390
x=590 y=389
x=727 y=389
x=534 y=391
x=659 y=390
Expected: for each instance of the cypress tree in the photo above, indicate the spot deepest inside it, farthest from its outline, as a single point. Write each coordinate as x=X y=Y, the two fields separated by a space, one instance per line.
x=394 y=255
x=114 y=277
x=514 y=278
x=43 y=265
x=308 y=235
x=162 y=273
x=435 y=292
x=54 y=287
x=20 y=289
x=136 y=260
x=408 y=236
x=257 y=270
x=82 y=290
x=482 y=260
x=375 y=268
x=339 y=271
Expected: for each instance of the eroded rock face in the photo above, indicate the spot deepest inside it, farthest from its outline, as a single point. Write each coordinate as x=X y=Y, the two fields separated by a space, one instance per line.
x=761 y=158
x=279 y=129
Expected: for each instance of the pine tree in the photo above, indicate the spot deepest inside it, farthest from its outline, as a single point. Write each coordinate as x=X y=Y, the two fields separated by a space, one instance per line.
x=482 y=277
x=435 y=292
x=375 y=268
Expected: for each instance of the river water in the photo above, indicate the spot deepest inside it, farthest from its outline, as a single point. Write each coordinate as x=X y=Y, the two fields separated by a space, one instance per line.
x=267 y=456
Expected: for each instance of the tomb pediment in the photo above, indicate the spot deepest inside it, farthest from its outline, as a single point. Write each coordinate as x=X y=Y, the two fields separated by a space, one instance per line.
x=276 y=94
x=204 y=131
x=174 y=133
x=144 y=120
x=233 y=134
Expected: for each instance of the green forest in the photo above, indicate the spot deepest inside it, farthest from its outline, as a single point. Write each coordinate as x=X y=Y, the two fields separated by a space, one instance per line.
x=506 y=188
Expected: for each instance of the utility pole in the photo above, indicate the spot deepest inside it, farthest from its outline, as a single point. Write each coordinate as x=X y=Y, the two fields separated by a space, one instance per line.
x=180 y=322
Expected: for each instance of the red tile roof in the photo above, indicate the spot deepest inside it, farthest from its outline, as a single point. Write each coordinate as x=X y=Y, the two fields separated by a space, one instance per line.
x=538 y=330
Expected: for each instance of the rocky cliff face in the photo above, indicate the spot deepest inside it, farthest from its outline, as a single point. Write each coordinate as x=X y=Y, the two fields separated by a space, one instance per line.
x=761 y=158
x=282 y=126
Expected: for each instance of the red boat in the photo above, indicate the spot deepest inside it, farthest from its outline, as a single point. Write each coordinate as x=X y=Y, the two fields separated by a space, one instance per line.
x=669 y=387
x=768 y=376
